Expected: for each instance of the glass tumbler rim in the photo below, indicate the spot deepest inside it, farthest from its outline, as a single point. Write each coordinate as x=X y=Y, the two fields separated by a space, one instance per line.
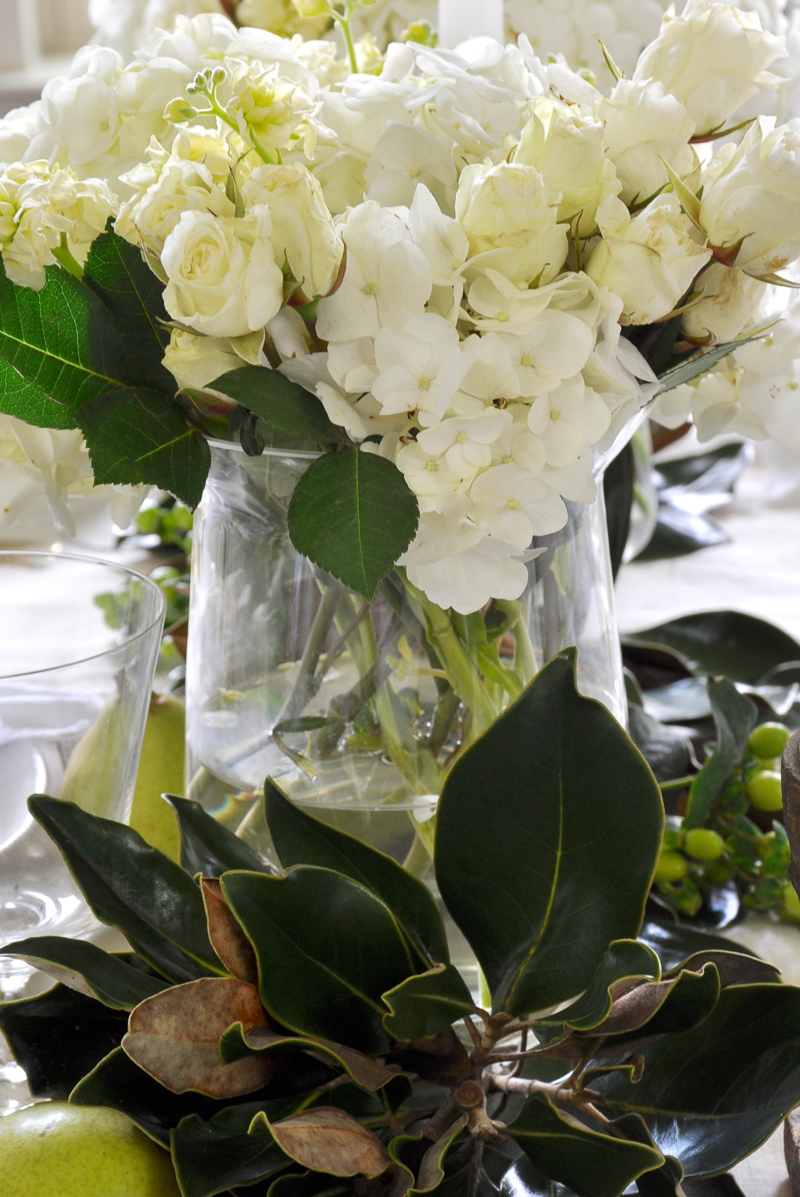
x=44 y=554
x=269 y=451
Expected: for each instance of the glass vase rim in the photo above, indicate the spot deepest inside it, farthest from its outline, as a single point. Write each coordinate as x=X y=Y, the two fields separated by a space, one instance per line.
x=235 y=447
x=43 y=554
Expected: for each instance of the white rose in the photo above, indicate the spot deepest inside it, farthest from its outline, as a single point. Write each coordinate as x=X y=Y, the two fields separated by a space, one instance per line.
x=196 y=361
x=223 y=279
x=180 y=187
x=648 y=260
x=713 y=58
x=730 y=298
x=303 y=232
x=756 y=200
x=645 y=126
x=568 y=153
x=510 y=208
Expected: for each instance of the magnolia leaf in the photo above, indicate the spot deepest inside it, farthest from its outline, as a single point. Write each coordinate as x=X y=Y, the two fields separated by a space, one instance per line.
x=211 y=1157
x=87 y=969
x=676 y=943
x=301 y=839
x=428 y=1173
x=663 y=1007
x=352 y=514
x=209 y=848
x=423 y=1006
x=132 y=887
x=140 y=435
x=238 y=1043
x=625 y=962
x=730 y=643
x=442 y=1060
x=280 y=403
x=118 y=273
x=57 y=1037
x=734 y=968
x=227 y=938
x=331 y=1141
x=58 y=349
x=555 y=800
x=327 y=949
x=592 y=1164
x=175 y=1036
x=713 y=1094
x=735 y=716
x=701 y=363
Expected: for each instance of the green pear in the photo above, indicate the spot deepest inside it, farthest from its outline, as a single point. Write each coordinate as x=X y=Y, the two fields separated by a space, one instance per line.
x=57 y=1150
x=90 y=778
x=160 y=772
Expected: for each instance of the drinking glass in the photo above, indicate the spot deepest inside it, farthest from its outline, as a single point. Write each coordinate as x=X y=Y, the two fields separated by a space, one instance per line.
x=79 y=641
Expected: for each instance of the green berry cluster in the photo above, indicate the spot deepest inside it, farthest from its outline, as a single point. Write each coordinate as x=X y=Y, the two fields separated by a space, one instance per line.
x=735 y=844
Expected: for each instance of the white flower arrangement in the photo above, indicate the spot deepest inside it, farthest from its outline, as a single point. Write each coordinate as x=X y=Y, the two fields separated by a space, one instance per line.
x=445 y=248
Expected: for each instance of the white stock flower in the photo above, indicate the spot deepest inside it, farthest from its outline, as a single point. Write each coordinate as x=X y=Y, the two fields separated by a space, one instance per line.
x=755 y=200
x=281 y=17
x=515 y=506
x=405 y=158
x=551 y=349
x=420 y=367
x=649 y=260
x=568 y=420
x=195 y=361
x=223 y=279
x=575 y=29
x=386 y=282
x=730 y=299
x=80 y=111
x=711 y=57
x=17 y=130
x=646 y=126
x=510 y=208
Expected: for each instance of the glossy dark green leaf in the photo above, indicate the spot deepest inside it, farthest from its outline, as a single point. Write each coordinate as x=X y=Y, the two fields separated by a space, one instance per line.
x=737 y=646
x=211 y=1157
x=735 y=716
x=283 y=405
x=701 y=363
x=308 y=1184
x=133 y=294
x=677 y=1003
x=711 y=1095
x=423 y=1006
x=237 y=1044
x=593 y=1164
x=327 y=949
x=140 y=435
x=660 y=1182
x=548 y=830
x=59 y=348
x=301 y=839
x=618 y=491
x=423 y=1161
x=705 y=473
x=58 y=1036
x=675 y=943
x=735 y=968
x=625 y=959
x=133 y=887
x=353 y=515
x=665 y=749
x=678 y=532
x=87 y=969
x=207 y=846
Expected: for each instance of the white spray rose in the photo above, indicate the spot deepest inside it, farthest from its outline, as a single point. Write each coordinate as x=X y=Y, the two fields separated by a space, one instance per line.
x=648 y=260
x=510 y=208
x=195 y=361
x=223 y=279
x=645 y=126
x=757 y=198
x=713 y=58
x=303 y=232
x=730 y=299
x=568 y=152
x=180 y=187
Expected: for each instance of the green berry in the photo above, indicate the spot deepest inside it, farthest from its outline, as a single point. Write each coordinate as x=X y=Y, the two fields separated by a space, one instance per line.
x=769 y=740
x=702 y=844
x=764 y=790
x=791 y=902
x=671 y=867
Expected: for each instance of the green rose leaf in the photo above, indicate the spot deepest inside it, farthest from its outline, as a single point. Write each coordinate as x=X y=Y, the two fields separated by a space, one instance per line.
x=211 y=1157
x=737 y=646
x=59 y=348
x=209 y=848
x=301 y=839
x=625 y=959
x=592 y=1164
x=141 y=436
x=713 y=1094
x=423 y=1006
x=58 y=1036
x=353 y=515
x=735 y=717
x=548 y=832
x=327 y=949
x=118 y=273
x=87 y=969
x=133 y=887
x=283 y=405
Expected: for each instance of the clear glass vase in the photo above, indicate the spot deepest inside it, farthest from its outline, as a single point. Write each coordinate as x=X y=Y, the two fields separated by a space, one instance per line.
x=356 y=710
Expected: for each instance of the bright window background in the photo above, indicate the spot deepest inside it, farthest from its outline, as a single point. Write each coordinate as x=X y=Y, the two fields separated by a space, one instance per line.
x=38 y=40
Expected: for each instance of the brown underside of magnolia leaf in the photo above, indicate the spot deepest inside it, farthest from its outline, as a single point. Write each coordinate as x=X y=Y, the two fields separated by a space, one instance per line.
x=227 y=938
x=175 y=1036
x=635 y=1008
x=442 y=1060
x=369 y=1074
x=331 y=1141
